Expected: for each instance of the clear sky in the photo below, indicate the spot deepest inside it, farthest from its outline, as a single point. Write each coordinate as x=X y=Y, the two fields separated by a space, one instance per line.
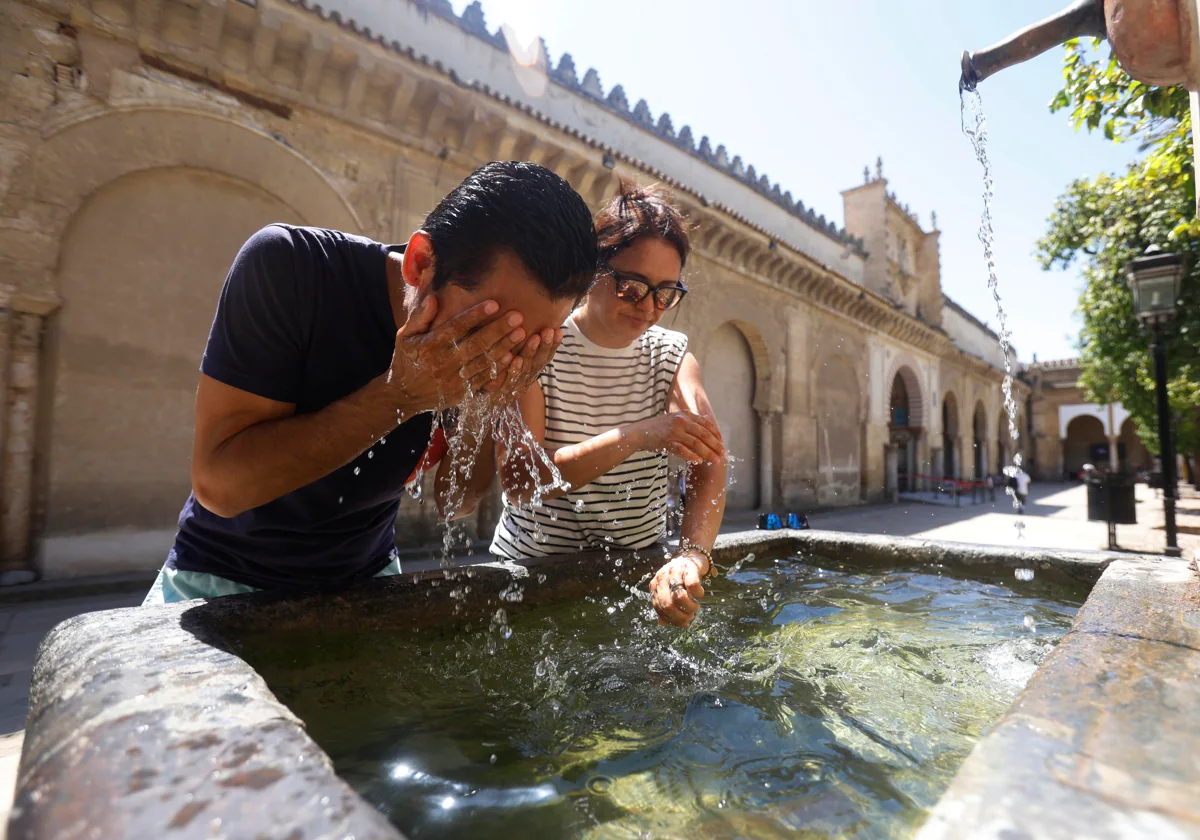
x=809 y=92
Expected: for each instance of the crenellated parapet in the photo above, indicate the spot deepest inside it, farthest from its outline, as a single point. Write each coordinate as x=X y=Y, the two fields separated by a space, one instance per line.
x=473 y=22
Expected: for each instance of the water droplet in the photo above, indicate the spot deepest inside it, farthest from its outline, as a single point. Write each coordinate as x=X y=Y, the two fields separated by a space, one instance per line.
x=493 y=758
x=370 y=454
x=340 y=499
x=357 y=470
x=579 y=506
x=1030 y=624
x=1023 y=574
x=506 y=632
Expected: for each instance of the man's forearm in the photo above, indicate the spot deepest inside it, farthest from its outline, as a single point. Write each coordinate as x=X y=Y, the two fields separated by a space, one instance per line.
x=270 y=459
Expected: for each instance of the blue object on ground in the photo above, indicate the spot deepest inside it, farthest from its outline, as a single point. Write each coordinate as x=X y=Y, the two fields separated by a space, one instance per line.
x=797 y=522
x=769 y=522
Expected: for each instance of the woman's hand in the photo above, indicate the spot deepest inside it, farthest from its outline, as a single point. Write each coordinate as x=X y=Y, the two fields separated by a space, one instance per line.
x=692 y=437
x=676 y=590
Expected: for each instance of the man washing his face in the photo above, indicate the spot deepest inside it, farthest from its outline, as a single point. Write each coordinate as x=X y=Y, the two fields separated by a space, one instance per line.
x=329 y=355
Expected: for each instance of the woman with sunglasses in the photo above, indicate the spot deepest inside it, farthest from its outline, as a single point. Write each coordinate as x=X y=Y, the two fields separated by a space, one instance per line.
x=618 y=396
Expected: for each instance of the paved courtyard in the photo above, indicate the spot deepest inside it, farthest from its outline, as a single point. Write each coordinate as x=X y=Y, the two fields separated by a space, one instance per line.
x=22 y=627
x=1055 y=517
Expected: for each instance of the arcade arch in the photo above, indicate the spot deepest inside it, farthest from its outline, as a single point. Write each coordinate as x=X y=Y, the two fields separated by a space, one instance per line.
x=1085 y=443
x=951 y=467
x=144 y=259
x=979 y=440
x=149 y=207
x=904 y=429
x=730 y=380
x=1132 y=453
x=1004 y=449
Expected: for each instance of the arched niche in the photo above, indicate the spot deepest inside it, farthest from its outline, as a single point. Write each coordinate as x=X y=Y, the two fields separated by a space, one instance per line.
x=140 y=271
x=731 y=381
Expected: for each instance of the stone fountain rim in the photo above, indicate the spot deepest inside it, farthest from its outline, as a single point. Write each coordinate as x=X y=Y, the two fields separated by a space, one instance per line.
x=129 y=738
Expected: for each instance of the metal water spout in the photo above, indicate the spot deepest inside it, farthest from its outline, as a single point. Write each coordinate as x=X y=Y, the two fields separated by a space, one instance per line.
x=1085 y=17
x=1155 y=41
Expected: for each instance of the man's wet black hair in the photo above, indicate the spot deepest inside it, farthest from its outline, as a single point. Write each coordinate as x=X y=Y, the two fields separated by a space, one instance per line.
x=525 y=208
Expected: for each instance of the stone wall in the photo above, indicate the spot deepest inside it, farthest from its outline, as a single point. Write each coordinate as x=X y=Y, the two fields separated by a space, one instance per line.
x=141 y=141
x=974 y=337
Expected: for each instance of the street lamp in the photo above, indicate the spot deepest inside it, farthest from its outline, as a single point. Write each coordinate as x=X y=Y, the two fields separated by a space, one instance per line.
x=1154 y=280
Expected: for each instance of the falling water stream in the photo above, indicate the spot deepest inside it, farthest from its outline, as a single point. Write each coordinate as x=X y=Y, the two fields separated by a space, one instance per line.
x=974 y=126
x=476 y=421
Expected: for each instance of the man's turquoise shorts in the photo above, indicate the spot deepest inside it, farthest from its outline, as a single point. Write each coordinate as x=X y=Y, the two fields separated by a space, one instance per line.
x=174 y=585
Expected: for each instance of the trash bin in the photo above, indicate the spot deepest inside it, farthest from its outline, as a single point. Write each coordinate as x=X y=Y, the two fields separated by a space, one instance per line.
x=1111 y=499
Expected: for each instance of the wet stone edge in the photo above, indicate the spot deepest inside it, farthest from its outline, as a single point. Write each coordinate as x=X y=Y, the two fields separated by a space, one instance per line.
x=145 y=723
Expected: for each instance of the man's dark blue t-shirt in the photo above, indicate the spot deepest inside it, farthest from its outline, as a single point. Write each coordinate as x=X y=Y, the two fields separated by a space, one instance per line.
x=305 y=317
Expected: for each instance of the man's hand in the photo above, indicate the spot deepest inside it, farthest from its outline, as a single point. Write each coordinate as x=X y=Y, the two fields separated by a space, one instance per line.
x=432 y=369
x=690 y=436
x=676 y=590
x=534 y=356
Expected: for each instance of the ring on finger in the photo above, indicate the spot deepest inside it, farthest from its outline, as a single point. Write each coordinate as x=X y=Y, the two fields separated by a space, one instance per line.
x=676 y=586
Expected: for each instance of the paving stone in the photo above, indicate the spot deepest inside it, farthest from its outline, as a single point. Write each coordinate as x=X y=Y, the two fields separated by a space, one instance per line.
x=10 y=756
x=18 y=650
x=14 y=701
x=45 y=615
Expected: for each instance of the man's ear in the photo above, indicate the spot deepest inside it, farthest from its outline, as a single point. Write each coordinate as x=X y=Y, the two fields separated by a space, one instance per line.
x=419 y=262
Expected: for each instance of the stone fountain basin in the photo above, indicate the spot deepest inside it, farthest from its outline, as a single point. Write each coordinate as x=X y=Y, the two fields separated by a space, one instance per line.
x=144 y=724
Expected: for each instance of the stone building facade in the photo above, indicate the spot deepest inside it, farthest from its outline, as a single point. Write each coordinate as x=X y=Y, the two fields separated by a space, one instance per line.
x=142 y=141
x=1067 y=431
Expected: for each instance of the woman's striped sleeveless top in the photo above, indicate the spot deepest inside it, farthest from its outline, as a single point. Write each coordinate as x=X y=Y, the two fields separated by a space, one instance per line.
x=589 y=390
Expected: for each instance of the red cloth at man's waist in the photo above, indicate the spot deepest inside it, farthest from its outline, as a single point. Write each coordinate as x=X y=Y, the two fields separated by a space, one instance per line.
x=434 y=453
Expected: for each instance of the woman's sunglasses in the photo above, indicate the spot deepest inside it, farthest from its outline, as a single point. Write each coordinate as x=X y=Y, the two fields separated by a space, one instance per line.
x=633 y=290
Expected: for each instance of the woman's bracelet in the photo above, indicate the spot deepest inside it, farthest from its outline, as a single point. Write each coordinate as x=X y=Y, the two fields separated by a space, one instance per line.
x=686 y=545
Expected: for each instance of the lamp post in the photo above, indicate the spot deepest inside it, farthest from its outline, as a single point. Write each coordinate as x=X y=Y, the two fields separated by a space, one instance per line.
x=1154 y=280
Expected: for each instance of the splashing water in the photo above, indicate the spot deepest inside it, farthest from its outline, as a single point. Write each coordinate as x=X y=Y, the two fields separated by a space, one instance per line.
x=974 y=126
x=478 y=421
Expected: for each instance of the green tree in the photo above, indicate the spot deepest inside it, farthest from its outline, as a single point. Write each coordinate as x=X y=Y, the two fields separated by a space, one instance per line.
x=1105 y=221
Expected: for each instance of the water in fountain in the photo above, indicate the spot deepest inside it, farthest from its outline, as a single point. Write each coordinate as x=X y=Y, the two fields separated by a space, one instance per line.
x=807 y=698
x=974 y=125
